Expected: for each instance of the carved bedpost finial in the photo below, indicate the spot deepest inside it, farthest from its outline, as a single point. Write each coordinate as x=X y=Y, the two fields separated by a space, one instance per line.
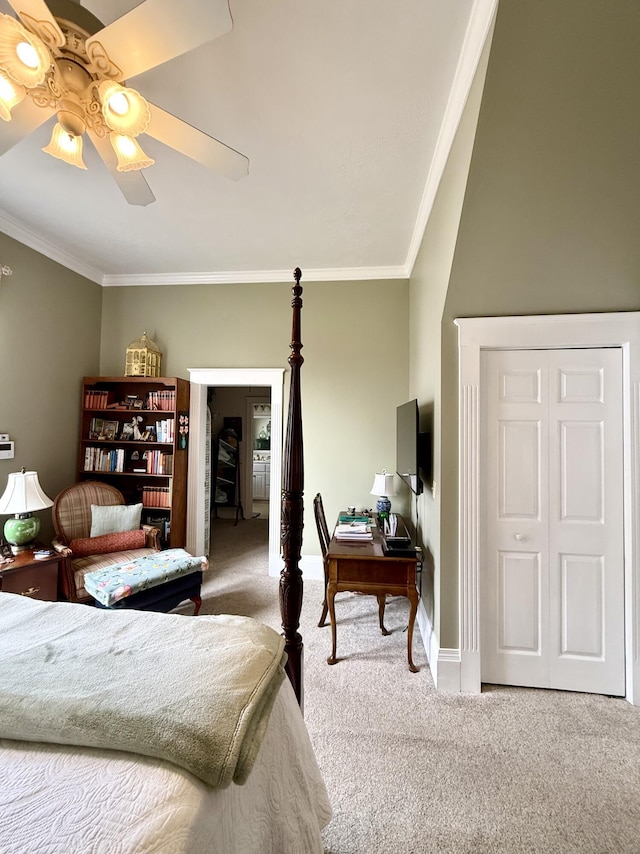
x=291 y=521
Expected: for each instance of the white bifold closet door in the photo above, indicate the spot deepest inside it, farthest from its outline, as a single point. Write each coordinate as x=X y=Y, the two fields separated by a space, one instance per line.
x=552 y=574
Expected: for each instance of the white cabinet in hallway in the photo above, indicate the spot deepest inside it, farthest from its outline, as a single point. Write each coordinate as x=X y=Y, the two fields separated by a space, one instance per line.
x=261 y=480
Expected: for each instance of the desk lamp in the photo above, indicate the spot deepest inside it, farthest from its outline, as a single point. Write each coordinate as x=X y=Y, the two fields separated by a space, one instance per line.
x=22 y=497
x=383 y=487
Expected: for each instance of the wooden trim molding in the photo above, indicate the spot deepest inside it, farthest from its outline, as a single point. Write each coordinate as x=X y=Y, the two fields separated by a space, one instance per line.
x=615 y=329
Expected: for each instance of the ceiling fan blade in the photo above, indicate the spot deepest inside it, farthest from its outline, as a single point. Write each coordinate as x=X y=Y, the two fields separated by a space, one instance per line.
x=25 y=118
x=196 y=144
x=37 y=17
x=156 y=31
x=133 y=185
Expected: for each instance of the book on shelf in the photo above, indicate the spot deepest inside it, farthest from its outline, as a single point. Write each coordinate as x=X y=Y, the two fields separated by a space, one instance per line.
x=103 y=459
x=165 y=430
x=95 y=399
x=353 y=531
x=163 y=400
x=156 y=496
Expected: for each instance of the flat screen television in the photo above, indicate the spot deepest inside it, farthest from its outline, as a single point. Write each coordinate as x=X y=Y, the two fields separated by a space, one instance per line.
x=411 y=446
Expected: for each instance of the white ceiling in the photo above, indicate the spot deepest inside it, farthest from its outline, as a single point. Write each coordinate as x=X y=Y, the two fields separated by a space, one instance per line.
x=346 y=110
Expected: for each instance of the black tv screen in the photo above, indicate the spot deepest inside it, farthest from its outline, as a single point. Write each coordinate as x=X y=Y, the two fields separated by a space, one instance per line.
x=408 y=445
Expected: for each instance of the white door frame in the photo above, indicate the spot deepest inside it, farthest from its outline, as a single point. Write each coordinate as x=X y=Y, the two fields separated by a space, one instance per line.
x=201 y=379
x=616 y=329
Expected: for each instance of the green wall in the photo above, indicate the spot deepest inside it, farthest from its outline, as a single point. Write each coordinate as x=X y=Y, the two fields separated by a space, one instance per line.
x=550 y=217
x=428 y=291
x=49 y=339
x=355 y=373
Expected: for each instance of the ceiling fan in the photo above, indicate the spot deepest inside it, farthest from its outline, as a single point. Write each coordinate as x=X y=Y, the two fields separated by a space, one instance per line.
x=58 y=59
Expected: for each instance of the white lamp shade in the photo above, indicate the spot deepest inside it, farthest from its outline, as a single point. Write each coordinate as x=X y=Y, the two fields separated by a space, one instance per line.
x=10 y=94
x=125 y=110
x=130 y=155
x=383 y=484
x=23 y=57
x=65 y=146
x=24 y=494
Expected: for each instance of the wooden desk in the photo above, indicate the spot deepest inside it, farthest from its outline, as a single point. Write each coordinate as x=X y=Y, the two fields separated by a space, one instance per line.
x=363 y=568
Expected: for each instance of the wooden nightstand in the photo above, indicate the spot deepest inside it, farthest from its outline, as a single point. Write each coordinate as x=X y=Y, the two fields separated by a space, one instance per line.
x=30 y=577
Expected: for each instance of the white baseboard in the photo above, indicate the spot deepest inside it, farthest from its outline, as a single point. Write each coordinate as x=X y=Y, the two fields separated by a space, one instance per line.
x=311 y=566
x=444 y=663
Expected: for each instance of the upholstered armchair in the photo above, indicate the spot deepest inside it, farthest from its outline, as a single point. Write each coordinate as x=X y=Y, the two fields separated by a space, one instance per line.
x=73 y=522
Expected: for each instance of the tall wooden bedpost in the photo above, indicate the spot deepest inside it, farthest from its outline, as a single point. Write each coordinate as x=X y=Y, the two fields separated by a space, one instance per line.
x=291 y=520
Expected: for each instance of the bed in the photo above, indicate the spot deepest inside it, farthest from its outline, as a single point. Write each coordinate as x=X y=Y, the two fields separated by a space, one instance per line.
x=114 y=740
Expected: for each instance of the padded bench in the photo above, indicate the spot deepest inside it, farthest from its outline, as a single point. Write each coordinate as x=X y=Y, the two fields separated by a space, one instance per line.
x=153 y=582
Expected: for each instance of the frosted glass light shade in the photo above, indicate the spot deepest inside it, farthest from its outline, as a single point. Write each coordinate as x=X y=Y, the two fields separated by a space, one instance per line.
x=125 y=111
x=10 y=94
x=24 y=58
x=65 y=147
x=130 y=155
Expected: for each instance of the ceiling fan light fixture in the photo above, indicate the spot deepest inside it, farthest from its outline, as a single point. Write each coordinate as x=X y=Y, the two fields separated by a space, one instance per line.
x=65 y=146
x=10 y=95
x=125 y=111
x=24 y=58
x=130 y=155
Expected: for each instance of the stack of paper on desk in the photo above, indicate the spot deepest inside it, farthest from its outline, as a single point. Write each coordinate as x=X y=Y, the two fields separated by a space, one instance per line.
x=353 y=531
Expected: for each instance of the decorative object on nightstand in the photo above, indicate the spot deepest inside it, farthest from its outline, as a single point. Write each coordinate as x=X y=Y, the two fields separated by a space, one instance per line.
x=22 y=497
x=143 y=358
x=383 y=488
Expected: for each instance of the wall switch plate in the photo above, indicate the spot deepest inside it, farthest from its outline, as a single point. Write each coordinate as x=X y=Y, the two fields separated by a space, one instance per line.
x=4 y=437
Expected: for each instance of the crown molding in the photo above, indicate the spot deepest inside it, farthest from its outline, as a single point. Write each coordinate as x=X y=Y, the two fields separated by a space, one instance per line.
x=244 y=277
x=13 y=228
x=478 y=29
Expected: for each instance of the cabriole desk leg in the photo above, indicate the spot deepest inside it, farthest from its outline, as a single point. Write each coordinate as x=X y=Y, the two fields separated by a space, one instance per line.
x=331 y=594
x=413 y=599
x=382 y=601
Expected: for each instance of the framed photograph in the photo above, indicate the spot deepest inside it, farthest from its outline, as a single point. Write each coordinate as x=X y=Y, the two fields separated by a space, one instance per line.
x=110 y=430
x=137 y=403
x=127 y=431
x=97 y=428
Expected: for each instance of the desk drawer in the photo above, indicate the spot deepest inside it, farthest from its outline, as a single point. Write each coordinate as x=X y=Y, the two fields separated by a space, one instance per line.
x=383 y=571
x=37 y=582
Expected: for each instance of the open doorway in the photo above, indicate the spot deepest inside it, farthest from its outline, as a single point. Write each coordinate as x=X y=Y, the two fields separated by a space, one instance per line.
x=269 y=380
x=240 y=451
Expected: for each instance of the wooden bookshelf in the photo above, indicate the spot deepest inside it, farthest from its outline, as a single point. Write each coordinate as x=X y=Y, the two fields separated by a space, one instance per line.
x=134 y=435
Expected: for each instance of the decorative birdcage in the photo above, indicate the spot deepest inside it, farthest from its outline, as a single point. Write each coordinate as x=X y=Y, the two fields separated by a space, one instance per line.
x=143 y=358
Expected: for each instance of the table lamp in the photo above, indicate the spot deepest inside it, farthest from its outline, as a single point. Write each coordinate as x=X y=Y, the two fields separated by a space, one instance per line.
x=383 y=487
x=22 y=497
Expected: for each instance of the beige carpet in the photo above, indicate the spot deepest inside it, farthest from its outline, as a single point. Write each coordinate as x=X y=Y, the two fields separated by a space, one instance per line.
x=414 y=771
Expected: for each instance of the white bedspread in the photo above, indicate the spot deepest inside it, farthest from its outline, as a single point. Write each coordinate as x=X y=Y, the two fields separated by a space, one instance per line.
x=56 y=799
